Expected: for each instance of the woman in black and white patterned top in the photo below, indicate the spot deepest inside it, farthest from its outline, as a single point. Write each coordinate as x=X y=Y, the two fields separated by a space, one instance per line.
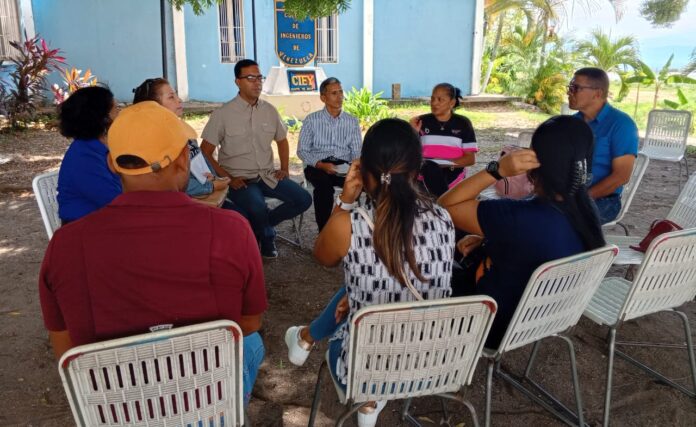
x=410 y=244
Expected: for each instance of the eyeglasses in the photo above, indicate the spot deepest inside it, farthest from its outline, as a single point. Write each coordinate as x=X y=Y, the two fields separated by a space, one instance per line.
x=574 y=88
x=252 y=78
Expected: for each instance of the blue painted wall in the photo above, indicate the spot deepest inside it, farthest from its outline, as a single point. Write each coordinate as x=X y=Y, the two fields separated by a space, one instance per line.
x=119 y=40
x=420 y=44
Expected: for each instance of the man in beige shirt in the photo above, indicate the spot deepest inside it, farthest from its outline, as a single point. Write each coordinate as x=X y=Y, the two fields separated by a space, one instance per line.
x=243 y=129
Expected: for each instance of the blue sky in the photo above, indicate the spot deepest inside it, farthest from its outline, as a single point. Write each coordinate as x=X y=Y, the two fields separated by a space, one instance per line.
x=656 y=44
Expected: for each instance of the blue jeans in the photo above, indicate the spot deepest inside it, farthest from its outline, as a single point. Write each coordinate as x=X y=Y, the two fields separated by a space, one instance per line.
x=251 y=201
x=253 y=356
x=608 y=207
x=325 y=326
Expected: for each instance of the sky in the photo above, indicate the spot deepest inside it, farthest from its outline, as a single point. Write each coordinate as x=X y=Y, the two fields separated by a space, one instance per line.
x=656 y=44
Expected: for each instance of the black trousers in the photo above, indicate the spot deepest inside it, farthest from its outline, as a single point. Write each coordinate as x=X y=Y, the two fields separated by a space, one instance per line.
x=437 y=179
x=323 y=193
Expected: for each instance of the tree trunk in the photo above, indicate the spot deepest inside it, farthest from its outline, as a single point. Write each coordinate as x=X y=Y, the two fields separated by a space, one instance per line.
x=635 y=110
x=657 y=91
x=494 y=51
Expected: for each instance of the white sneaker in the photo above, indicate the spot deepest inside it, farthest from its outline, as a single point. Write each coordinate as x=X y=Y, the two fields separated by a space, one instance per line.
x=369 y=418
x=298 y=349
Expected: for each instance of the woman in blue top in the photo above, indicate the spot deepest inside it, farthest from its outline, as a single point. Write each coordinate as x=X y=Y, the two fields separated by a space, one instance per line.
x=519 y=235
x=85 y=182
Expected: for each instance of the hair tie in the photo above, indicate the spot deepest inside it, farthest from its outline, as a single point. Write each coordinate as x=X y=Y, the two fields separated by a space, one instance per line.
x=579 y=177
x=385 y=178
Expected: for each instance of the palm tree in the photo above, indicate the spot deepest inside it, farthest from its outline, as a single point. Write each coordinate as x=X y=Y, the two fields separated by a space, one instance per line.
x=659 y=79
x=691 y=66
x=617 y=55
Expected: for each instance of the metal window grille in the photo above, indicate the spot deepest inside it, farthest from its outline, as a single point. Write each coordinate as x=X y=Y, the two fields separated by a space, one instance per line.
x=231 y=30
x=327 y=39
x=9 y=28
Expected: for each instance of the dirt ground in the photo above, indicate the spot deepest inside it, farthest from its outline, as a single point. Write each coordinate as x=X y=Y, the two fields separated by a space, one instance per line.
x=31 y=393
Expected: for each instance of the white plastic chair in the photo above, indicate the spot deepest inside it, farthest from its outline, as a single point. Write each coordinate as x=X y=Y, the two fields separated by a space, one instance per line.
x=524 y=139
x=553 y=301
x=45 y=190
x=184 y=376
x=666 y=279
x=666 y=136
x=295 y=224
x=412 y=349
x=683 y=213
x=629 y=191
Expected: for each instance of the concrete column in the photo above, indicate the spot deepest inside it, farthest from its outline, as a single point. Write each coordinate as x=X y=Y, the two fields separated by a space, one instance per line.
x=477 y=55
x=182 y=87
x=368 y=42
x=26 y=14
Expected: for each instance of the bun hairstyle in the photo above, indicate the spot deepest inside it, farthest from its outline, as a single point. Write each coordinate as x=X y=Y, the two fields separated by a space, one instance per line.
x=391 y=157
x=85 y=114
x=453 y=92
x=148 y=90
x=564 y=147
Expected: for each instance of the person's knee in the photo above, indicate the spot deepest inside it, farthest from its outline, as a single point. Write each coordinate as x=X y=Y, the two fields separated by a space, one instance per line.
x=304 y=200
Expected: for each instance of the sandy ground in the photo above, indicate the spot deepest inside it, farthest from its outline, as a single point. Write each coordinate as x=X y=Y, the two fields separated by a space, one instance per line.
x=31 y=392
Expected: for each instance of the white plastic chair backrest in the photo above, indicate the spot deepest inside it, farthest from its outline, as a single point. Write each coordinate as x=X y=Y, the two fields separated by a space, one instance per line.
x=180 y=377
x=556 y=296
x=683 y=211
x=630 y=189
x=46 y=190
x=666 y=278
x=411 y=349
x=667 y=132
x=524 y=139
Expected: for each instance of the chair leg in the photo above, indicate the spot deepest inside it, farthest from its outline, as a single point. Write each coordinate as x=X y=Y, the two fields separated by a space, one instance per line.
x=689 y=346
x=350 y=410
x=574 y=374
x=625 y=229
x=317 y=396
x=532 y=356
x=489 y=390
x=610 y=370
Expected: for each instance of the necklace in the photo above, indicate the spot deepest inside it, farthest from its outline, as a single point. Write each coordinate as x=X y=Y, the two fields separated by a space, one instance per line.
x=442 y=124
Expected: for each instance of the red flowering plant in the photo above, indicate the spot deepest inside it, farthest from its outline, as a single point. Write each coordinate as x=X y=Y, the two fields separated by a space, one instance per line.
x=31 y=64
x=72 y=81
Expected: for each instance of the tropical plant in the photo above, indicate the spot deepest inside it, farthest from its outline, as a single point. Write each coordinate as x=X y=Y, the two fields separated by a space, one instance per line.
x=663 y=13
x=300 y=9
x=682 y=103
x=366 y=106
x=691 y=66
x=548 y=86
x=28 y=79
x=72 y=81
x=659 y=79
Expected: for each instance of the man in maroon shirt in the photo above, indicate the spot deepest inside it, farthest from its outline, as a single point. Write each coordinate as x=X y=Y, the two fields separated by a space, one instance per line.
x=152 y=256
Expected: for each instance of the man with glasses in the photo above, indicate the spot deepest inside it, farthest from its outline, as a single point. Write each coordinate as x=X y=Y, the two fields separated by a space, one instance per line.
x=616 y=139
x=243 y=130
x=330 y=139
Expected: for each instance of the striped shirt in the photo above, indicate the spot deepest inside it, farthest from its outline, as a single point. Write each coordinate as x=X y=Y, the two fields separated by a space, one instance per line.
x=324 y=136
x=449 y=140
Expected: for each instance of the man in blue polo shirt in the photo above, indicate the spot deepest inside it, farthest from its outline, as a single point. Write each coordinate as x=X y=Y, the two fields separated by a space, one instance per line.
x=616 y=139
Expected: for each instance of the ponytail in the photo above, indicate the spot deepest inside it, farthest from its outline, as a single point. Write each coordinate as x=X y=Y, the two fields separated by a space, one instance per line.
x=453 y=92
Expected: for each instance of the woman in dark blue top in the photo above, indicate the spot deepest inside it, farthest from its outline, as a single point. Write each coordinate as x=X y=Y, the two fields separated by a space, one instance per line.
x=519 y=235
x=85 y=182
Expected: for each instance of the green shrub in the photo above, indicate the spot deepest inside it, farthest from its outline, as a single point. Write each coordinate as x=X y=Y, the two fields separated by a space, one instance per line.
x=366 y=106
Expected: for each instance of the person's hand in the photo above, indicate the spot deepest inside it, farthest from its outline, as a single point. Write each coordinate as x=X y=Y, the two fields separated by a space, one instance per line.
x=327 y=167
x=353 y=184
x=237 y=183
x=468 y=243
x=221 y=183
x=209 y=176
x=416 y=123
x=517 y=162
x=281 y=174
x=341 y=309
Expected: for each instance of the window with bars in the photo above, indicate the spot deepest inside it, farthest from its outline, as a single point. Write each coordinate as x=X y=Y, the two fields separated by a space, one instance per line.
x=9 y=28
x=327 y=39
x=231 y=30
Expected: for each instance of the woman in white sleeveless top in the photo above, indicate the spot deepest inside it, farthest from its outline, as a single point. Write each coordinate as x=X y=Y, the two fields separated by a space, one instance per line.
x=400 y=244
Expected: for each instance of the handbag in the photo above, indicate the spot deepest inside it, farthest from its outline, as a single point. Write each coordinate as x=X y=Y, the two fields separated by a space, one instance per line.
x=513 y=187
x=659 y=226
x=371 y=224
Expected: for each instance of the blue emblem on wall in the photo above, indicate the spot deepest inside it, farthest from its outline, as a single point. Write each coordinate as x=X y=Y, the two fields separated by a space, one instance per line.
x=295 y=40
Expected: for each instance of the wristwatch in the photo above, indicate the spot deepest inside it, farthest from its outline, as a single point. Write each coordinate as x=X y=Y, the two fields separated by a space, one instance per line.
x=492 y=169
x=343 y=205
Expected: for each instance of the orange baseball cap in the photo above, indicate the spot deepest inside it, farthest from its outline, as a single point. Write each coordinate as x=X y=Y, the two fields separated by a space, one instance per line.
x=148 y=131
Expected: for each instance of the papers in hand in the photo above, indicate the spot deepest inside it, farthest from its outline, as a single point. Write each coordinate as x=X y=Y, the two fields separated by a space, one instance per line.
x=342 y=169
x=200 y=169
x=443 y=162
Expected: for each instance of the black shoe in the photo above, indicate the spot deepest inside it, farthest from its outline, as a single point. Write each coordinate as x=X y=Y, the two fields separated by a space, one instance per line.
x=269 y=250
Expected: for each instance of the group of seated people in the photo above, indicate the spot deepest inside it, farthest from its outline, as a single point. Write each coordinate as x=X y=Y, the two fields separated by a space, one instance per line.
x=135 y=252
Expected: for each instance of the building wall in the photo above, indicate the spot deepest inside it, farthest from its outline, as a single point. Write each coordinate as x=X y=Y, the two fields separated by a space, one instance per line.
x=119 y=40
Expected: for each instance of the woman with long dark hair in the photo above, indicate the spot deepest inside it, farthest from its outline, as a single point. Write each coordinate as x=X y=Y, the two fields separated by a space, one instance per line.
x=449 y=141
x=519 y=235
x=399 y=230
x=85 y=182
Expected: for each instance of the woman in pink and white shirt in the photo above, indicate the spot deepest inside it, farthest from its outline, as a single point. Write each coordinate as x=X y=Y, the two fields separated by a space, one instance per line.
x=448 y=139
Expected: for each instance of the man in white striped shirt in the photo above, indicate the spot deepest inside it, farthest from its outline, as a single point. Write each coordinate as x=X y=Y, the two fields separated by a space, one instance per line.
x=329 y=140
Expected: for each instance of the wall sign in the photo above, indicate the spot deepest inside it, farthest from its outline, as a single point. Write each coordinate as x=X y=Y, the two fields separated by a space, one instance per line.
x=295 y=40
x=302 y=80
